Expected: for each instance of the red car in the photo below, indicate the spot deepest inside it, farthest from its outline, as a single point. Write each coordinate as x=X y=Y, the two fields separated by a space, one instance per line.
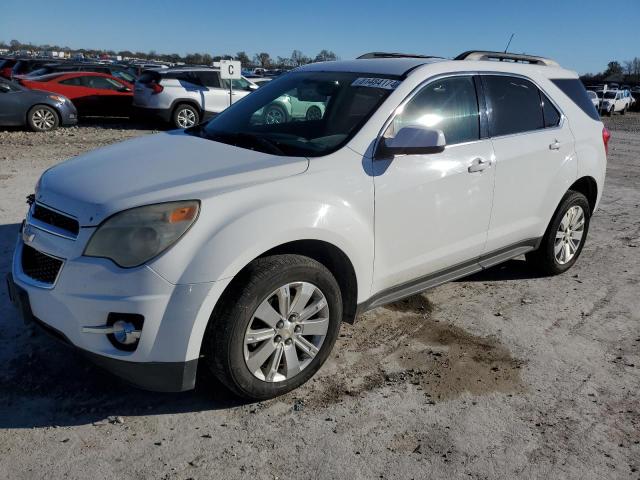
x=93 y=94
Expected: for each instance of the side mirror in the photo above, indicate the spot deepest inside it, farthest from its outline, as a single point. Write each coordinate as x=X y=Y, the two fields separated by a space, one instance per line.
x=4 y=88
x=251 y=87
x=412 y=140
x=124 y=89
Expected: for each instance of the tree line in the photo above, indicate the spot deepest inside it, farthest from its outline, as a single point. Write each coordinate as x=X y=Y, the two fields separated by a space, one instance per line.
x=262 y=59
x=626 y=72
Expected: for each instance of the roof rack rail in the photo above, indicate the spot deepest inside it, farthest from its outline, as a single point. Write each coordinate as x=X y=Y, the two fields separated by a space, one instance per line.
x=393 y=55
x=510 y=57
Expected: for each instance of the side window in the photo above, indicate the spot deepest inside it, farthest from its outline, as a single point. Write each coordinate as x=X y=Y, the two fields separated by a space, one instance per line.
x=209 y=79
x=102 y=83
x=551 y=114
x=450 y=105
x=75 y=81
x=514 y=105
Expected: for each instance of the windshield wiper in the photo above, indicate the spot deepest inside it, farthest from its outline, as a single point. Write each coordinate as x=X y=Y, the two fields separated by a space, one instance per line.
x=242 y=138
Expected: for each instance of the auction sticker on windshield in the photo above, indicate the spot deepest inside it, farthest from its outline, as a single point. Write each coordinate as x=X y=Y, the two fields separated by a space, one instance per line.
x=376 y=83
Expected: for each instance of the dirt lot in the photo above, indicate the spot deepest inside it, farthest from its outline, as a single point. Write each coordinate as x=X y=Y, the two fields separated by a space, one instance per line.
x=501 y=375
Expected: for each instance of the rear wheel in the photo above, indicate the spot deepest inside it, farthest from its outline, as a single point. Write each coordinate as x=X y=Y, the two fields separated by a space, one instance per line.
x=565 y=236
x=185 y=116
x=42 y=118
x=277 y=328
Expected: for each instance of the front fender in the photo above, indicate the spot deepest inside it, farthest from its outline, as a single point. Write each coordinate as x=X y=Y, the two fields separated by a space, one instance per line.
x=224 y=247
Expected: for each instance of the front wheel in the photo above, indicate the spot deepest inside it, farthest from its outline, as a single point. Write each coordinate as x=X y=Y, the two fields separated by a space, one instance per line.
x=624 y=110
x=565 y=236
x=276 y=328
x=42 y=118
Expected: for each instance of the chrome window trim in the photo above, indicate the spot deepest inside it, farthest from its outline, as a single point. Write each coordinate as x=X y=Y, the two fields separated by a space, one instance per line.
x=471 y=73
x=23 y=277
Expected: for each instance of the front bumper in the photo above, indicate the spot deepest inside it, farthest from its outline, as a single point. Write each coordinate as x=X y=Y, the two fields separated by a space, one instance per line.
x=155 y=376
x=87 y=289
x=68 y=114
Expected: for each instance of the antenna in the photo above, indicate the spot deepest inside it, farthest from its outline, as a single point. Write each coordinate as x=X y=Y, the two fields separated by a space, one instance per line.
x=509 y=43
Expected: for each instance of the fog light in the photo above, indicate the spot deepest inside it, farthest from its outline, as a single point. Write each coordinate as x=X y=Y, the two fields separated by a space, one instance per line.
x=125 y=332
x=127 y=329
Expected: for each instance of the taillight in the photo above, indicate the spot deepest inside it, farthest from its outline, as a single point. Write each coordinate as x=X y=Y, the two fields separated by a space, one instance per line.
x=606 y=136
x=156 y=88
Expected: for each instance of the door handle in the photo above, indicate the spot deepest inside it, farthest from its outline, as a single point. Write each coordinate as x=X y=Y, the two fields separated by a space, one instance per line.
x=555 y=145
x=478 y=165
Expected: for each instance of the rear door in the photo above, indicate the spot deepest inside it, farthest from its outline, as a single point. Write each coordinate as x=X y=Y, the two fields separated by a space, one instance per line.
x=534 y=150
x=112 y=97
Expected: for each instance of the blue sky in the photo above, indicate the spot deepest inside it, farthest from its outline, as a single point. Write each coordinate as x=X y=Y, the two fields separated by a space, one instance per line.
x=570 y=31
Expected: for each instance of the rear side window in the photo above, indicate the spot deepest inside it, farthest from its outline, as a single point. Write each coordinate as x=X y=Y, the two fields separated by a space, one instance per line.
x=149 y=77
x=514 y=105
x=75 y=81
x=574 y=89
x=550 y=113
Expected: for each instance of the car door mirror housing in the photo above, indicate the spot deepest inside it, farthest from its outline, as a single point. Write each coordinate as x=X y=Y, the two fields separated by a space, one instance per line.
x=4 y=88
x=412 y=140
x=124 y=89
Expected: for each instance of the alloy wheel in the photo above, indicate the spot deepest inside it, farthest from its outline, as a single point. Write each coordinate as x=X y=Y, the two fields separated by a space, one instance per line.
x=186 y=118
x=286 y=332
x=43 y=119
x=274 y=116
x=569 y=235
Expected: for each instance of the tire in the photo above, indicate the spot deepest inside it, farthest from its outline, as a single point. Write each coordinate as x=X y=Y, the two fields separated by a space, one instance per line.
x=42 y=118
x=275 y=114
x=185 y=116
x=241 y=363
x=313 y=113
x=548 y=258
x=624 y=111
x=612 y=111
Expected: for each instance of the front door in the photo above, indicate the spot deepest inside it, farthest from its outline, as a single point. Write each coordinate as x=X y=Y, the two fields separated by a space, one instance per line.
x=216 y=98
x=432 y=211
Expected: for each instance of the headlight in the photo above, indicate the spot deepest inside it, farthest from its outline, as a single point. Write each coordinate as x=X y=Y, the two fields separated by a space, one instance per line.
x=135 y=236
x=58 y=98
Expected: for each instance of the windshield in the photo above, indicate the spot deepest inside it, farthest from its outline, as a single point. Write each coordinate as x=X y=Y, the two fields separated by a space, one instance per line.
x=306 y=114
x=610 y=95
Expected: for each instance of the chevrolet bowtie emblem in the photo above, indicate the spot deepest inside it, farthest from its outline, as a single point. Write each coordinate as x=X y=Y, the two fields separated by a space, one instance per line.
x=28 y=234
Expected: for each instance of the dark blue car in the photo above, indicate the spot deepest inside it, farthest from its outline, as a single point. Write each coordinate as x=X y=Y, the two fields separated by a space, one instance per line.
x=41 y=111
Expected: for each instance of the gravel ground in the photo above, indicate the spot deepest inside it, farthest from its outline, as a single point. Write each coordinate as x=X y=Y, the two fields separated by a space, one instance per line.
x=500 y=375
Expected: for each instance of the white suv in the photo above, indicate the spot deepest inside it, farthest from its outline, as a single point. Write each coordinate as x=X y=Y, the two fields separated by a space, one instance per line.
x=240 y=245
x=613 y=101
x=185 y=96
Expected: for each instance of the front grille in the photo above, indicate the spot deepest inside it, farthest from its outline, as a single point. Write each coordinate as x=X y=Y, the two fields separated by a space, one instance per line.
x=56 y=219
x=39 y=266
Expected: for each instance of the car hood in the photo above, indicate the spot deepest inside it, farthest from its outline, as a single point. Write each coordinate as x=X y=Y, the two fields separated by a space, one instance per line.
x=156 y=168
